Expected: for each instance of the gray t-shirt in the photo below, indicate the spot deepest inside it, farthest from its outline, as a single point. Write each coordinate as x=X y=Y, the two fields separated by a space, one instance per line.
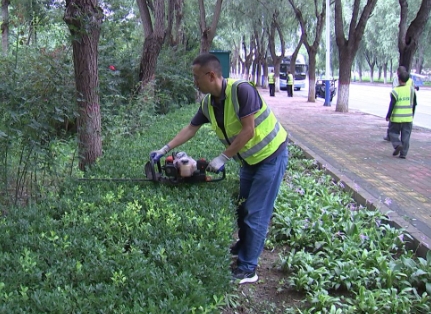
x=248 y=99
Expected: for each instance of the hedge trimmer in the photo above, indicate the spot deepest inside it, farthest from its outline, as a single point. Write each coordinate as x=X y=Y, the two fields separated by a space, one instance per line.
x=177 y=168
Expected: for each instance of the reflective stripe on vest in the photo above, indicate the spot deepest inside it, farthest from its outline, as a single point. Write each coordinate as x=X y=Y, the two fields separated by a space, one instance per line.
x=403 y=109
x=271 y=78
x=268 y=135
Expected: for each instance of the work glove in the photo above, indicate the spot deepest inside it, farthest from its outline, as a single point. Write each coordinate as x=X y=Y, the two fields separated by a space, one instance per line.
x=217 y=164
x=155 y=155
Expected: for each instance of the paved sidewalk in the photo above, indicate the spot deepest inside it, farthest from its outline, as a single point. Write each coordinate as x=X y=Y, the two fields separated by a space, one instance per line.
x=351 y=147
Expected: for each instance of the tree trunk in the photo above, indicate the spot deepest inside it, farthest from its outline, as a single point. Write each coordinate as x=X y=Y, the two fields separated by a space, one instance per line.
x=347 y=47
x=275 y=26
x=385 y=72
x=419 y=62
x=150 y=53
x=312 y=76
x=179 y=4
x=84 y=19
x=5 y=26
x=154 y=32
x=408 y=36
x=208 y=32
x=344 y=84
x=312 y=49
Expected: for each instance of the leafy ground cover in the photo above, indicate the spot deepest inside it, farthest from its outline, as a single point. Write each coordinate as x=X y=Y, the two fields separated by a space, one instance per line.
x=103 y=247
x=324 y=254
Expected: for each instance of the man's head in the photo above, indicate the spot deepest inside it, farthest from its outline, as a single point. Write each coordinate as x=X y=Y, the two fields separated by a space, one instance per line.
x=207 y=73
x=403 y=76
x=401 y=68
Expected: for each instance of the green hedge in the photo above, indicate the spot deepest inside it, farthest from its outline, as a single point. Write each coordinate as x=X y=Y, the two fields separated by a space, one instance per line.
x=103 y=247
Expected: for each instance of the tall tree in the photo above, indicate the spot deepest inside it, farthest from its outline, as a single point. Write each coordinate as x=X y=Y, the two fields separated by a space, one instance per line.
x=176 y=35
x=84 y=19
x=260 y=57
x=5 y=26
x=208 y=32
x=408 y=36
x=377 y=45
x=313 y=23
x=347 y=47
x=275 y=29
x=155 y=32
x=248 y=56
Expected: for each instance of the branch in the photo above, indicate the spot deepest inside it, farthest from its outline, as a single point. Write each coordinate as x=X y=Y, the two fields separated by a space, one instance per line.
x=145 y=17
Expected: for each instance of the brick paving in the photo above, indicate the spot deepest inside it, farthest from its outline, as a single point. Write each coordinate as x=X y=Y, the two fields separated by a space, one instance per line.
x=351 y=147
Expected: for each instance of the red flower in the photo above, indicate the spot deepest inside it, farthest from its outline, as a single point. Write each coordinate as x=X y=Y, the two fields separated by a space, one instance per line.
x=112 y=68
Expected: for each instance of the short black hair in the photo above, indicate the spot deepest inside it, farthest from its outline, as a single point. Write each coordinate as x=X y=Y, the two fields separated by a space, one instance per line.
x=403 y=76
x=210 y=61
x=401 y=68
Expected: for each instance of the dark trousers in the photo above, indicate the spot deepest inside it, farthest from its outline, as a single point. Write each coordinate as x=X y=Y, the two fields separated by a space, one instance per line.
x=271 y=89
x=404 y=129
x=387 y=131
x=289 y=90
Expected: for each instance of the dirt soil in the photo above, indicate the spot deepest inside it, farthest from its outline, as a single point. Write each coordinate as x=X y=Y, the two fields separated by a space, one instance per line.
x=270 y=293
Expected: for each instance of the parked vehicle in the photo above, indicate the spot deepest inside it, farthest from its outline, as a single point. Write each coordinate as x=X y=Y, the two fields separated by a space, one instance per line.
x=300 y=76
x=321 y=88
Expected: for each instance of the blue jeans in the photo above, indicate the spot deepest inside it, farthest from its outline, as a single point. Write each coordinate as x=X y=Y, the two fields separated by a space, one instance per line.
x=259 y=186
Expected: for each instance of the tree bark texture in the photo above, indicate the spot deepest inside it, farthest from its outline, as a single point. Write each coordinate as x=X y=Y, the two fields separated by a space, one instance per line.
x=177 y=34
x=208 y=32
x=408 y=36
x=84 y=19
x=275 y=26
x=248 y=57
x=261 y=53
x=5 y=26
x=347 y=47
x=155 y=34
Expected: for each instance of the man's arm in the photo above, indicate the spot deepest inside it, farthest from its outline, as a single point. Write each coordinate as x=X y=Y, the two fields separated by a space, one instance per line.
x=391 y=107
x=246 y=134
x=183 y=136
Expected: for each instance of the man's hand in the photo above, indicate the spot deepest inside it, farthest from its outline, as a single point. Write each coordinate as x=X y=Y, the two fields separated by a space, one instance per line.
x=155 y=155
x=217 y=164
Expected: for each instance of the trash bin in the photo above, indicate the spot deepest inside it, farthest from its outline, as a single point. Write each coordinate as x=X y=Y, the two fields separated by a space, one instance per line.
x=223 y=56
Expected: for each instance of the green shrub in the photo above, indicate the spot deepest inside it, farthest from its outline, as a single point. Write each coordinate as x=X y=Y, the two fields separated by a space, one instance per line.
x=346 y=258
x=122 y=247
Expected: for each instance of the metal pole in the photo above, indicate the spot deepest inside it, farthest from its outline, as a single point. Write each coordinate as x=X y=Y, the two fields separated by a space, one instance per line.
x=328 y=58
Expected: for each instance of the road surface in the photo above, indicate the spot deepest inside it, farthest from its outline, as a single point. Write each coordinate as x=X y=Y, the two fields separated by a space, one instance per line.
x=374 y=99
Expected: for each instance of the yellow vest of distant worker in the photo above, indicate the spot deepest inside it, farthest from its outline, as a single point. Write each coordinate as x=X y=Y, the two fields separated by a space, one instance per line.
x=403 y=109
x=268 y=133
x=290 y=79
x=271 y=79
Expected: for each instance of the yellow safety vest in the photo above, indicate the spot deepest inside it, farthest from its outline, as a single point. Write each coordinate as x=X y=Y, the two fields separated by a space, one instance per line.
x=271 y=79
x=269 y=134
x=403 y=109
x=290 y=79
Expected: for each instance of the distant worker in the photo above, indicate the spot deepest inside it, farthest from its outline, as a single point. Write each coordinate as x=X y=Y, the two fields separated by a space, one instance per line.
x=400 y=114
x=271 y=83
x=289 y=84
x=395 y=83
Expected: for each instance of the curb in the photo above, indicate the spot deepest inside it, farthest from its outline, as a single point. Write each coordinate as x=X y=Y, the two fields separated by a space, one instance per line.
x=419 y=242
